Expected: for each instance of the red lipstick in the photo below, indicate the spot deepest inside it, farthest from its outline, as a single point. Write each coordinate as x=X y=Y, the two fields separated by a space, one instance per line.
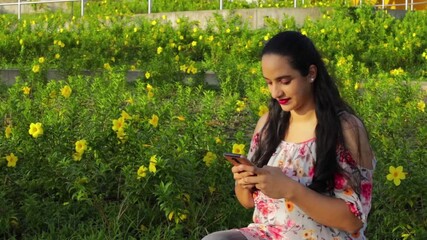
x=283 y=101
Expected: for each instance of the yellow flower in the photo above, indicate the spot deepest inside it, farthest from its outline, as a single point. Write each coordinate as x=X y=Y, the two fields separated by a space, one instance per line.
x=152 y=166
x=159 y=50
x=147 y=75
x=66 y=91
x=77 y=156
x=240 y=105
x=8 y=131
x=150 y=94
x=421 y=105
x=262 y=110
x=41 y=60
x=181 y=118
x=182 y=216
x=264 y=90
x=119 y=124
x=398 y=100
x=121 y=134
x=356 y=86
x=153 y=22
x=303 y=32
x=209 y=158
x=170 y=215
x=26 y=90
x=130 y=101
x=212 y=189
x=11 y=160
x=154 y=120
x=142 y=172
x=397 y=71
x=36 y=68
x=341 y=61
x=228 y=30
x=125 y=115
x=36 y=130
x=149 y=87
x=253 y=70
x=81 y=146
x=238 y=148
x=218 y=140
x=107 y=66
x=52 y=94
x=193 y=43
x=396 y=174
x=57 y=56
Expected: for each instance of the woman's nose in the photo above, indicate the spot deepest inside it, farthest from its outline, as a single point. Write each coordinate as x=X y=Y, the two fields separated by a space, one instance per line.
x=276 y=91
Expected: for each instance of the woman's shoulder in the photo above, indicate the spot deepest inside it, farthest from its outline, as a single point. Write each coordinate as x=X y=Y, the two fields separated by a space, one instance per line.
x=356 y=140
x=261 y=123
x=350 y=121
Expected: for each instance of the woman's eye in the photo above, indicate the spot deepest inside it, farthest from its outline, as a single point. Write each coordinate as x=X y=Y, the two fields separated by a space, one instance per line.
x=285 y=81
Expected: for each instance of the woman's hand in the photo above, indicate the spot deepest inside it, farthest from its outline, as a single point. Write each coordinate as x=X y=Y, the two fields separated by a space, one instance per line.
x=243 y=189
x=240 y=174
x=271 y=181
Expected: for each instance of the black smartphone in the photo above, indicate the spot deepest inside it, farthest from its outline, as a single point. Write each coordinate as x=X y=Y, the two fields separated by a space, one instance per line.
x=237 y=159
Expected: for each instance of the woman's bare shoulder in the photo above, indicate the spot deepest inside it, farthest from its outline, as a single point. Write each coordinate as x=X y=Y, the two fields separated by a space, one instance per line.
x=261 y=122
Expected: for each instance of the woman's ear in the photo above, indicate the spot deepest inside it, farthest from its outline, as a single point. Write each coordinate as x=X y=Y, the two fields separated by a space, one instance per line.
x=312 y=73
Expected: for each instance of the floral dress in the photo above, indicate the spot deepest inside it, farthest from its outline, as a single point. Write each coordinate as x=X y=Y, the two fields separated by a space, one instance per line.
x=281 y=219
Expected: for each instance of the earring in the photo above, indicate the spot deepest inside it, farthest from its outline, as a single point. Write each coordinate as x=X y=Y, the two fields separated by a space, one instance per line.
x=312 y=80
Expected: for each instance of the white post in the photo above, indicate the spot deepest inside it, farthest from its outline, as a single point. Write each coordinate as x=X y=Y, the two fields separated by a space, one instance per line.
x=382 y=4
x=406 y=4
x=82 y=7
x=149 y=6
x=19 y=9
x=295 y=3
x=412 y=5
x=220 y=4
x=360 y=2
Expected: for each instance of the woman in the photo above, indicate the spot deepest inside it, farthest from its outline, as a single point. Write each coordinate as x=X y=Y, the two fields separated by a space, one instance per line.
x=314 y=164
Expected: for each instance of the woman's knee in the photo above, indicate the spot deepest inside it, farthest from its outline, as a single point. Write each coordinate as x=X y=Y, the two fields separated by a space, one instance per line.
x=233 y=234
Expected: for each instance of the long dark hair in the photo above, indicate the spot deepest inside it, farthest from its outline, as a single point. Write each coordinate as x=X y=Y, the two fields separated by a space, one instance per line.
x=302 y=53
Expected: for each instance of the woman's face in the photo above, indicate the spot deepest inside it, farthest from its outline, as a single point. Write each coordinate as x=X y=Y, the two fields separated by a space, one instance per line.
x=293 y=91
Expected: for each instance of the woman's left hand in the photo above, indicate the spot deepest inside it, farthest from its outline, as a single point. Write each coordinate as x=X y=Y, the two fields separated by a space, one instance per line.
x=272 y=182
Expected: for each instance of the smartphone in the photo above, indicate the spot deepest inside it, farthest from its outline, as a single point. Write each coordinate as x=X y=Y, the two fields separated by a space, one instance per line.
x=237 y=159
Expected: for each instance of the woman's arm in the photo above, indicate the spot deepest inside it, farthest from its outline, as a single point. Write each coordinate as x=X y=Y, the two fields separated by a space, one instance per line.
x=243 y=190
x=329 y=211
x=244 y=195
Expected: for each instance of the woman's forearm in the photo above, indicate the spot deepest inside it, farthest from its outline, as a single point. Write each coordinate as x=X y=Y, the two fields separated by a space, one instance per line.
x=329 y=211
x=244 y=196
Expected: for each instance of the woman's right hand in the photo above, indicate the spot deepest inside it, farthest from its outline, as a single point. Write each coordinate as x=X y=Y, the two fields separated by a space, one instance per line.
x=240 y=173
x=243 y=189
